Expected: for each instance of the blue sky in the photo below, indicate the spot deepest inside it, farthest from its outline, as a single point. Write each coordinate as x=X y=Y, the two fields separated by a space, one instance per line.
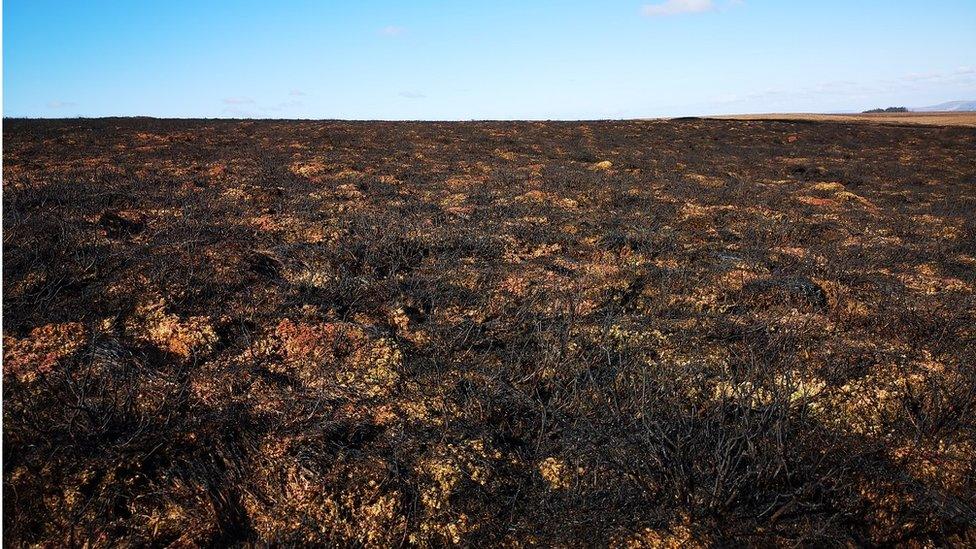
x=371 y=59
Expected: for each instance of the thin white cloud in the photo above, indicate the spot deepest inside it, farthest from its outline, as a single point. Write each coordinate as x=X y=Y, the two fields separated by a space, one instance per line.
x=296 y=93
x=392 y=30
x=920 y=76
x=845 y=95
x=412 y=95
x=239 y=113
x=238 y=101
x=677 y=7
x=962 y=75
x=283 y=106
x=60 y=104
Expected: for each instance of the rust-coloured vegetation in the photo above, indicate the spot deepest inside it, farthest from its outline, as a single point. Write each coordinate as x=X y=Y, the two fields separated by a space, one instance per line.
x=698 y=332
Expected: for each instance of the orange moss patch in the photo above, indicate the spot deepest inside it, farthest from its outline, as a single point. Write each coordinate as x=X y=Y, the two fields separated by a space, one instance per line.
x=217 y=170
x=313 y=170
x=39 y=352
x=337 y=353
x=818 y=202
x=540 y=197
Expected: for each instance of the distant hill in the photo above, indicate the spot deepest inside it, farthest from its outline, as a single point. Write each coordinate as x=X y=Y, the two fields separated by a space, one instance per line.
x=958 y=106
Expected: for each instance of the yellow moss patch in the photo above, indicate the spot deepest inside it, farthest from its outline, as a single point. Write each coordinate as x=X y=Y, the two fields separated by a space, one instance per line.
x=362 y=513
x=169 y=332
x=349 y=191
x=796 y=390
x=945 y=463
x=389 y=179
x=555 y=472
x=828 y=187
x=862 y=405
x=505 y=155
x=445 y=472
x=457 y=204
x=791 y=251
x=677 y=536
x=706 y=180
x=736 y=279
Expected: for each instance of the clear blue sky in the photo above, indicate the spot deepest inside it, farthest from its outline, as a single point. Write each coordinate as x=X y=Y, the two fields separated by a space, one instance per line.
x=368 y=59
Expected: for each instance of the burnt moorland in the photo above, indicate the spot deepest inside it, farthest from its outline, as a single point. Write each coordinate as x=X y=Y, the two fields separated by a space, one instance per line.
x=642 y=333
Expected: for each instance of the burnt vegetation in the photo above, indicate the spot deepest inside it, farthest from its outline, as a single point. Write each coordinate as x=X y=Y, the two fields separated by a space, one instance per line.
x=649 y=333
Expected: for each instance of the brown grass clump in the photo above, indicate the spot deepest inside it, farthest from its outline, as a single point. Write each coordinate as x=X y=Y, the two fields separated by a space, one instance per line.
x=686 y=333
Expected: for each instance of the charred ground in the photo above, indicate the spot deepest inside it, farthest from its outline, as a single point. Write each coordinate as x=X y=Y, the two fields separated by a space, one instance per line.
x=630 y=333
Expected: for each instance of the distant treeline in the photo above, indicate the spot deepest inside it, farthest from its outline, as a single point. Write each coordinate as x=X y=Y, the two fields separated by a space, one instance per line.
x=889 y=109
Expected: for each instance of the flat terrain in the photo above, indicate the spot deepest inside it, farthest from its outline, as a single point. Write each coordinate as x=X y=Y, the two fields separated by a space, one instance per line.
x=965 y=119
x=645 y=333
